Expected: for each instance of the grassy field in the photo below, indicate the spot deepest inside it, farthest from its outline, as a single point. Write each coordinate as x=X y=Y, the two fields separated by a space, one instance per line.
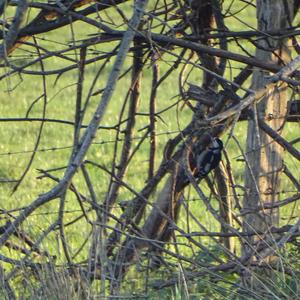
x=18 y=93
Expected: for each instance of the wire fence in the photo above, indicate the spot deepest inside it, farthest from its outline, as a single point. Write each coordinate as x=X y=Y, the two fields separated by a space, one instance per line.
x=145 y=207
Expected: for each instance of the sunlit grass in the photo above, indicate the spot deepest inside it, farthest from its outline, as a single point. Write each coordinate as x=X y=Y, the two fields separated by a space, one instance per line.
x=17 y=94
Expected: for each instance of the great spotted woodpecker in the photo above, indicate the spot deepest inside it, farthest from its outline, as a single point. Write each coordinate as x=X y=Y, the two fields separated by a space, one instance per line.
x=209 y=158
x=202 y=161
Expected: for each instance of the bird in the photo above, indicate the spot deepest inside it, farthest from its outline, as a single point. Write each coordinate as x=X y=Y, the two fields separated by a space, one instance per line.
x=209 y=158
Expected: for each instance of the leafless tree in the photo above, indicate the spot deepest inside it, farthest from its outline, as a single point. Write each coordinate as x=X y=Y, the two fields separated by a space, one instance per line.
x=221 y=80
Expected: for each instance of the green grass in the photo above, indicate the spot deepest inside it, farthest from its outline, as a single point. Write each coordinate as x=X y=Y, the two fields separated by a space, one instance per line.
x=18 y=139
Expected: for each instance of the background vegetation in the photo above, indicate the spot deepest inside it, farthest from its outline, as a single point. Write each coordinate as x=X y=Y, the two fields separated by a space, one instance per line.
x=67 y=248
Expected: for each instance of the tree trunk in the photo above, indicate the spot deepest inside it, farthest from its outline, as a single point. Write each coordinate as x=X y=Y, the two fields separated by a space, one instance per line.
x=264 y=155
x=225 y=205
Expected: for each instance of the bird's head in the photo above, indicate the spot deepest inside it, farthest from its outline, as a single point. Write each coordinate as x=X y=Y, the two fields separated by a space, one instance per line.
x=216 y=145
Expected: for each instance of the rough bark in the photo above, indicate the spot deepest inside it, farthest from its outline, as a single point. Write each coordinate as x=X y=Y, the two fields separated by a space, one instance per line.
x=264 y=155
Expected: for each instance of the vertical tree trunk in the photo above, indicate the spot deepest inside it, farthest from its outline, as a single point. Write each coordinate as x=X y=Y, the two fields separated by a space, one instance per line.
x=225 y=205
x=265 y=156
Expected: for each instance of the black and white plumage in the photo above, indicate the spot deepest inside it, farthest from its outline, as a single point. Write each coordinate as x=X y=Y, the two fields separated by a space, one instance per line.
x=209 y=158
